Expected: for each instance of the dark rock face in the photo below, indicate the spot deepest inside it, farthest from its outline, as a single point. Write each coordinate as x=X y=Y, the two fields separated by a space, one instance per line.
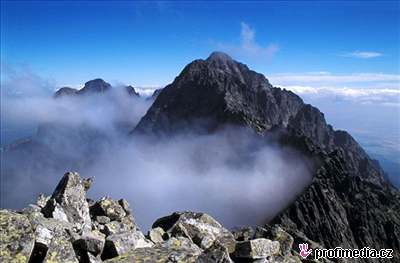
x=349 y=202
x=131 y=91
x=95 y=86
x=65 y=91
x=215 y=92
x=92 y=87
x=156 y=93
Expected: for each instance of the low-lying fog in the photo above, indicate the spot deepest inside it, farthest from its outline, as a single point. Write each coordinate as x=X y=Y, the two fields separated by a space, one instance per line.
x=232 y=175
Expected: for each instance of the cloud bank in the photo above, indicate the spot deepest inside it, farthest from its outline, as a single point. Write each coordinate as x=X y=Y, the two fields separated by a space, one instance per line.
x=233 y=175
x=364 y=88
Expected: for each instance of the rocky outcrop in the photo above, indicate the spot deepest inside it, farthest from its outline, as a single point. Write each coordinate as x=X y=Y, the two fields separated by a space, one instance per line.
x=156 y=93
x=349 y=202
x=131 y=91
x=95 y=86
x=105 y=230
x=65 y=91
x=199 y=227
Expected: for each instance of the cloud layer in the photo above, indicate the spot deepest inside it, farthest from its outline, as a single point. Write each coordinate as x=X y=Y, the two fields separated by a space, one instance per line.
x=365 y=88
x=233 y=175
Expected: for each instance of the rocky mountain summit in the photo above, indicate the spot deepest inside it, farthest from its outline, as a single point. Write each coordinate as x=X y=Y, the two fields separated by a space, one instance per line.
x=94 y=86
x=349 y=203
x=68 y=227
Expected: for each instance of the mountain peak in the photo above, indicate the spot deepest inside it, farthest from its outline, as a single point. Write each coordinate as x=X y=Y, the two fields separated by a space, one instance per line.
x=95 y=85
x=219 y=56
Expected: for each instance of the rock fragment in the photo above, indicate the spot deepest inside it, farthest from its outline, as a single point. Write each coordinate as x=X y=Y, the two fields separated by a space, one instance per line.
x=256 y=249
x=70 y=195
x=118 y=244
x=108 y=207
x=201 y=228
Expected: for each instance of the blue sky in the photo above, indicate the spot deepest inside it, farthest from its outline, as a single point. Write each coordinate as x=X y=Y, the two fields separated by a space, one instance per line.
x=148 y=43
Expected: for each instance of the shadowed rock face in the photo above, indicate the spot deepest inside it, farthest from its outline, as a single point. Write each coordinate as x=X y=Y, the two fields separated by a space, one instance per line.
x=95 y=86
x=92 y=87
x=216 y=91
x=65 y=91
x=349 y=202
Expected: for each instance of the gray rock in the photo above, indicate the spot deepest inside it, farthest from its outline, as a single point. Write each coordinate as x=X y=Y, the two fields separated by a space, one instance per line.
x=70 y=195
x=103 y=220
x=157 y=254
x=125 y=205
x=285 y=240
x=108 y=207
x=117 y=227
x=118 y=244
x=157 y=235
x=17 y=237
x=92 y=242
x=42 y=200
x=215 y=254
x=43 y=235
x=177 y=243
x=257 y=248
x=201 y=228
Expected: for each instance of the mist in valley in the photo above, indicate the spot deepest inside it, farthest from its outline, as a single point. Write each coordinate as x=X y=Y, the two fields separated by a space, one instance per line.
x=233 y=175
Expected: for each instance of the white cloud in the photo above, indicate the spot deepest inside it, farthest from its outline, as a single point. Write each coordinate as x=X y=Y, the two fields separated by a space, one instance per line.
x=362 y=54
x=146 y=91
x=248 y=46
x=365 y=88
x=326 y=78
x=382 y=96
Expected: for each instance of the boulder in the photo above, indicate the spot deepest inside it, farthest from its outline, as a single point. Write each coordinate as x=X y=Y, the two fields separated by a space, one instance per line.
x=285 y=240
x=116 y=227
x=108 y=207
x=256 y=249
x=92 y=242
x=102 y=220
x=201 y=228
x=181 y=243
x=156 y=254
x=70 y=195
x=61 y=250
x=53 y=239
x=125 y=205
x=157 y=235
x=215 y=254
x=17 y=237
x=118 y=244
x=42 y=200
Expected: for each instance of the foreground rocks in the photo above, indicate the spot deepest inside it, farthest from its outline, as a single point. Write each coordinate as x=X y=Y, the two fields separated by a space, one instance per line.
x=68 y=227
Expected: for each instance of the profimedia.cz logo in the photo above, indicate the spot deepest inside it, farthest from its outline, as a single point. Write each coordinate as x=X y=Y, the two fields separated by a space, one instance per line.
x=342 y=253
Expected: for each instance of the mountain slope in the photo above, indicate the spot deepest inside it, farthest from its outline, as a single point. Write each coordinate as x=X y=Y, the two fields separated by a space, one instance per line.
x=349 y=202
x=219 y=91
